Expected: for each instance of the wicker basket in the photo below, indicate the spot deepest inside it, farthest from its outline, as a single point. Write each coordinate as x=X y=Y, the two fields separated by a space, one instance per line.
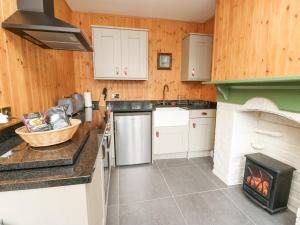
x=47 y=138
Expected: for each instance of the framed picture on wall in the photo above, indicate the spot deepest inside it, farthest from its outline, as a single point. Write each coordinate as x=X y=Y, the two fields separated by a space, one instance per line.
x=164 y=61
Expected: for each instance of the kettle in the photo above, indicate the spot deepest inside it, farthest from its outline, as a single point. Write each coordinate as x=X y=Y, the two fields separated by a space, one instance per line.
x=79 y=101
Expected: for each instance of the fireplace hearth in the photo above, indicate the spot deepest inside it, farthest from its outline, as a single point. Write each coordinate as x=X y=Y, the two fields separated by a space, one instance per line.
x=267 y=182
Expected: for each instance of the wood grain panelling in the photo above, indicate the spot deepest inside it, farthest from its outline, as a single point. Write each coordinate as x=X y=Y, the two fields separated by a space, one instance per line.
x=256 y=38
x=32 y=78
x=208 y=26
x=164 y=36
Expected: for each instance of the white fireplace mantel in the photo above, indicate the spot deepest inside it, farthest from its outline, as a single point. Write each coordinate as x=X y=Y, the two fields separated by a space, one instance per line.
x=256 y=126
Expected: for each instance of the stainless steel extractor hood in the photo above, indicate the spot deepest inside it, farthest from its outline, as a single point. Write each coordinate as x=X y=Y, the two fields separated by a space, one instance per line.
x=34 y=20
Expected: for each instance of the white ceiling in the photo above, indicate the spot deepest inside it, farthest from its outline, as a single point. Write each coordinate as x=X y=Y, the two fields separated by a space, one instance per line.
x=185 y=10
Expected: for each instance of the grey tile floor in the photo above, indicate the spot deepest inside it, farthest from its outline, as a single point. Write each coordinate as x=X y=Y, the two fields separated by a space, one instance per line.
x=181 y=192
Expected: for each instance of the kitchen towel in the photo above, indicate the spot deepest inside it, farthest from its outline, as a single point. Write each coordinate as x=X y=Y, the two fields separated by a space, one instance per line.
x=88 y=114
x=87 y=99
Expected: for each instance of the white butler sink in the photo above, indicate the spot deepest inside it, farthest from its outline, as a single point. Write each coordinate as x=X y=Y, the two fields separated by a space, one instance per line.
x=170 y=116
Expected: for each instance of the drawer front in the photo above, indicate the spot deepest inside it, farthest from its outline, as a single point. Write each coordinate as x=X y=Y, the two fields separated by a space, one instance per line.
x=203 y=113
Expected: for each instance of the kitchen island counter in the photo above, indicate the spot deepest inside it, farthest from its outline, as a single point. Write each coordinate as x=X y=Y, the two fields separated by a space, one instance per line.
x=78 y=173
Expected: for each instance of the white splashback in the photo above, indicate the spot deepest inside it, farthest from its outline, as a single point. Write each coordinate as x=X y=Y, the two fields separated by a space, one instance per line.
x=170 y=116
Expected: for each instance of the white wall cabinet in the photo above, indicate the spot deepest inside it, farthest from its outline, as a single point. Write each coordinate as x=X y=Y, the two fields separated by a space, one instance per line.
x=107 y=53
x=201 y=132
x=120 y=54
x=196 y=57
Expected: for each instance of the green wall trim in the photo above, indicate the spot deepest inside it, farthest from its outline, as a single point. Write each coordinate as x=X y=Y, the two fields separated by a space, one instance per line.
x=283 y=91
x=278 y=79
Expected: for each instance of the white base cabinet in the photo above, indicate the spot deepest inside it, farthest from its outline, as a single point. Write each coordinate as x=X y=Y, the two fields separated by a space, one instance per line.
x=179 y=133
x=170 y=140
x=201 y=132
x=81 y=204
x=170 y=132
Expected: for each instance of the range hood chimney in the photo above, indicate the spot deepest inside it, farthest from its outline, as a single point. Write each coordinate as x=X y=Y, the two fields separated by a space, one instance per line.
x=35 y=22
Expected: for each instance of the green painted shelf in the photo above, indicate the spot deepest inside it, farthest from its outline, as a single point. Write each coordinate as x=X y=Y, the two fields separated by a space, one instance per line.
x=260 y=80
x=284 y=91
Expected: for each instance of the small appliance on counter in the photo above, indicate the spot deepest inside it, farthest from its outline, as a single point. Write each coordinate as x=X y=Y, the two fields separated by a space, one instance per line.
x=70 y=102
x=79 y=101
x=87 y=99
x=3 y=118
x=75 y=103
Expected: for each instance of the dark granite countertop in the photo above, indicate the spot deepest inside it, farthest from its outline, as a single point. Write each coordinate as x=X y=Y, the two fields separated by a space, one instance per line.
x=78 y=173
x=151 y=105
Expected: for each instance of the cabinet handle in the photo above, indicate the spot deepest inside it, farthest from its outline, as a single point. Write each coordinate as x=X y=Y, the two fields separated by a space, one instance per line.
x=193 y=72
x=157 y=134
x=204 y=113
x=125 y=71
x=194 y=125
x=117 y=70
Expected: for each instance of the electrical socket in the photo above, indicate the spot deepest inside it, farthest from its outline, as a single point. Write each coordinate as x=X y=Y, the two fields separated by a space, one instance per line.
x=6 y=110
x=115 y=95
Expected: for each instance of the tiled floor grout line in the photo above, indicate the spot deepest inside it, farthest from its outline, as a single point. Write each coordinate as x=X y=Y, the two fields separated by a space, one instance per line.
x=242 y=211
x=176 y=203
x=144 y=201
x=195 y=164
x=200 y=192
x=181 y=195
x=228 y=197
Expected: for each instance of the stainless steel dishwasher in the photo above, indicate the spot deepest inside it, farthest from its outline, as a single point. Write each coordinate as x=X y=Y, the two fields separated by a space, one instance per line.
x=133 y=138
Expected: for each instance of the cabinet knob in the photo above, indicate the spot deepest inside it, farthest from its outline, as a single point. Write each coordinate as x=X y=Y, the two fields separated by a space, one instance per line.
x=117 y=70
x=157 y=134
x=125 y=71
x=204 y=113
x=194 y=125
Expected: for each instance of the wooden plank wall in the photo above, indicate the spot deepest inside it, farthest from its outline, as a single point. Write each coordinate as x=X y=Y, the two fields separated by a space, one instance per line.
x=164 y=36
x=256 y=38
x=32 y=78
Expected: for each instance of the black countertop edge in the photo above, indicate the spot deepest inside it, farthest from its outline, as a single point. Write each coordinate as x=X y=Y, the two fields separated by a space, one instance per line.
x=45 y=184
x=151 y=105
x=80 y=173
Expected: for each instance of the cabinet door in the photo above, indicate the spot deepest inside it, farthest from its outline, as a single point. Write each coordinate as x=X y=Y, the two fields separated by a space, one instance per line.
x=134 y=54
x=107 y=53
x=95 y=194
x=200 y=57
x=169 y=140
x=201 y=135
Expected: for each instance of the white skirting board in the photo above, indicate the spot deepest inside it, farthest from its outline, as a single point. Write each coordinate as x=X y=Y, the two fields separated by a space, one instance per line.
x=199 y=154
x=298 y=217
x=170 y=156
x=182 y=155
